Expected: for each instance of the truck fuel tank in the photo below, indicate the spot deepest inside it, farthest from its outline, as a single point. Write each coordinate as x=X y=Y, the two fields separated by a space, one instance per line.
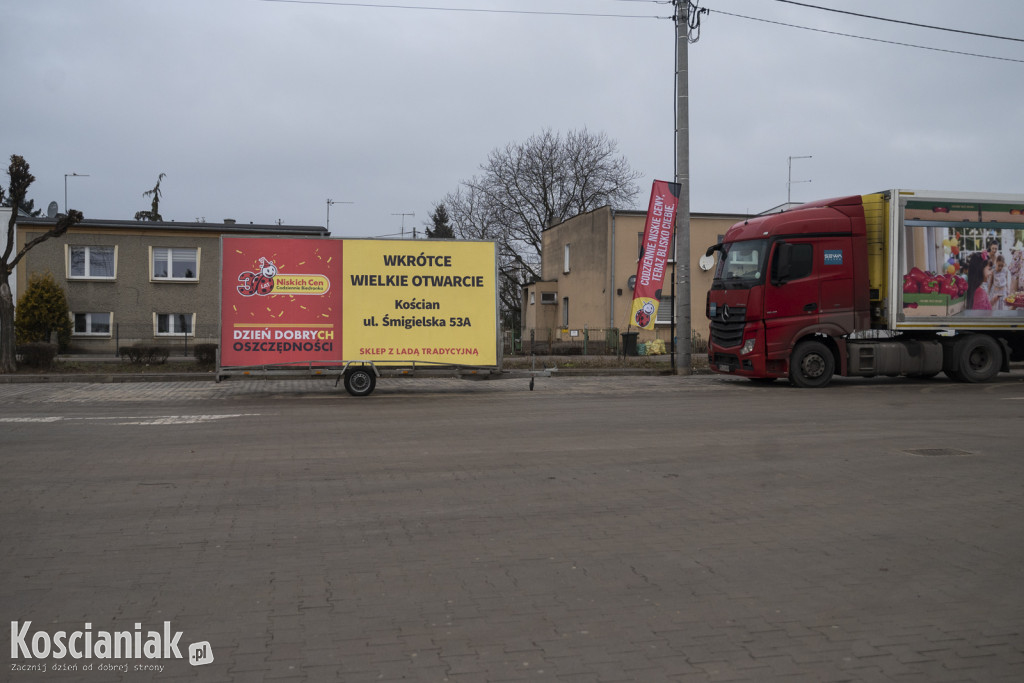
x=894 y=358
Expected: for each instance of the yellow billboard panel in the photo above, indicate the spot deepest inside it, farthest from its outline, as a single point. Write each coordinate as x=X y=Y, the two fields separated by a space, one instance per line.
x=423 y=300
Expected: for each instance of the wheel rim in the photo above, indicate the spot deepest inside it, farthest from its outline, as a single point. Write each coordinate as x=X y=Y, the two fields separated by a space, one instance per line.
x=813 y=365
x=360 y=381
x=979 y=359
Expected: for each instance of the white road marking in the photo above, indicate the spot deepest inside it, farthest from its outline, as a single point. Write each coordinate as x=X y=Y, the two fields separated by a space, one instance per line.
x=135 y=420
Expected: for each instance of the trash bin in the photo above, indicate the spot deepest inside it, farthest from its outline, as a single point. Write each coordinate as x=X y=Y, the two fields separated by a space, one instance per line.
x=629 y=343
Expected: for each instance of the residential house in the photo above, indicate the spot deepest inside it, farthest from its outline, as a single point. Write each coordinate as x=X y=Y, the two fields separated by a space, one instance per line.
x=139 y=281
x=588 y=266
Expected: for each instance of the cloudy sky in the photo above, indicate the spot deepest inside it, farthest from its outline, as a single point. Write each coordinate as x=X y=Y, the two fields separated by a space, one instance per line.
x=263 y=110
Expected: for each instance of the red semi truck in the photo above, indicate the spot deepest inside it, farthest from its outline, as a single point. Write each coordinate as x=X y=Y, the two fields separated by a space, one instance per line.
x=893 y=283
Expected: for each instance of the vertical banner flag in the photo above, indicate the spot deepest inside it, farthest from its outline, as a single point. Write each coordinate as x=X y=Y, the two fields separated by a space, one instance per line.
x=657 y=248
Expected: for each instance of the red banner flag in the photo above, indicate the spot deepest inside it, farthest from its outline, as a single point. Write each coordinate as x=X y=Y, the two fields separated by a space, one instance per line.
x=657 y=248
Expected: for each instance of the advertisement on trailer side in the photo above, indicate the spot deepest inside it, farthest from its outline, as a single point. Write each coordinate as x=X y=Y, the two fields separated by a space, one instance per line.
x=287 y=301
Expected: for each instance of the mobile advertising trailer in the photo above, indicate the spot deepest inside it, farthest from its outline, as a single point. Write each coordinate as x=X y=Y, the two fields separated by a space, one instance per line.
x=352 y=307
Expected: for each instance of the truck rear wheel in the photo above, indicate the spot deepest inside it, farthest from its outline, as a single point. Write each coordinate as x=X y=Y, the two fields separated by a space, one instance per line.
x=811 y=365
x=979 y=358
x=360 y=381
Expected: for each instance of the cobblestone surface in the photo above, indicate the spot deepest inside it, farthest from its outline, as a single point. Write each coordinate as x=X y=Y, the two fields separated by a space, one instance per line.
x=395 y=386
x=593 y=529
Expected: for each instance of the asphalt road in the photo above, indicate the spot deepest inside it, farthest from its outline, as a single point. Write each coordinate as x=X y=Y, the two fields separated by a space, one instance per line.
x=593 y=529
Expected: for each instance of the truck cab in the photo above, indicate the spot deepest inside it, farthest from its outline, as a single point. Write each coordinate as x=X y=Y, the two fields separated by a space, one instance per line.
x=787 y=290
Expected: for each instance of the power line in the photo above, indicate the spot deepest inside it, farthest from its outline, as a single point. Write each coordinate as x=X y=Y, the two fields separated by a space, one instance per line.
x=876 y=40
x=900 y=21
x=340 y=3
x=478 y=10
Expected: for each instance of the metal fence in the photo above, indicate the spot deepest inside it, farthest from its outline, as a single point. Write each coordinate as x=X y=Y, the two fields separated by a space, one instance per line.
x=588 y=342
x=598 y=341
x=585 y=342
x=123 y=335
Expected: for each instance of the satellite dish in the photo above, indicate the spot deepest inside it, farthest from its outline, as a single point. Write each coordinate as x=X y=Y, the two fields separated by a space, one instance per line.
x=707 y=262
x=51 y=210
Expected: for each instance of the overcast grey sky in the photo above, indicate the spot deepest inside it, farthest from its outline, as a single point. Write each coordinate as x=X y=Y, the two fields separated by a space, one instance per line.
x=261 y=111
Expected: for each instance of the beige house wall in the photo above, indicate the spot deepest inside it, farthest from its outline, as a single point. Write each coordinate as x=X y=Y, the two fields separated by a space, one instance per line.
x=134 y=298
x=604 y=249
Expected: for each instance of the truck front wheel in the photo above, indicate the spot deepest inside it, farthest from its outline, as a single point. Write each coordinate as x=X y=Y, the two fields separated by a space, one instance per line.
x=979 y=358
x=360 y=381
x=812 y=365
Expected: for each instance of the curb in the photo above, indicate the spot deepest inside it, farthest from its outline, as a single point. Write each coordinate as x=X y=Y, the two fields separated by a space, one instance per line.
x=100 y=378
x=123 y=378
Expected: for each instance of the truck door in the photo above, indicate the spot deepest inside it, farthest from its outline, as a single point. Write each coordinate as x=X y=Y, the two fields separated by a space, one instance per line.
x=791 y=298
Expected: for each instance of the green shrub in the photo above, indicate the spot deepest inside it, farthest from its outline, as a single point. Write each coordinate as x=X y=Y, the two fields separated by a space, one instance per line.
x=146 y=353
x=42 y=310
x=206 y=354
x=38 y=355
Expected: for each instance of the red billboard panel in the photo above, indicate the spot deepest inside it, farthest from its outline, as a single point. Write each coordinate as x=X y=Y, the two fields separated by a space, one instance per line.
x=281 y=301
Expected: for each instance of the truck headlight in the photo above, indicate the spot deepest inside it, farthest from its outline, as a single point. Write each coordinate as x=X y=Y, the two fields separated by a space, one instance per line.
x=748 y=346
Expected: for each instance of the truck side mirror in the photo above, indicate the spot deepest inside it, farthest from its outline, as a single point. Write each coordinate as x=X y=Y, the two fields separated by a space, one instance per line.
x=782 y=264
x=712 y=249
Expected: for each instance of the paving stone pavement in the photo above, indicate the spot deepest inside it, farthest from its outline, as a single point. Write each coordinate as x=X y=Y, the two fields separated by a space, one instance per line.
x=390 y=386
x=593 y=529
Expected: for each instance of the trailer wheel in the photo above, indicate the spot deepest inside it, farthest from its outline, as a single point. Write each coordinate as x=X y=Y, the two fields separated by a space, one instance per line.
x=360 y=382
x=812 y=365
x=979 y=358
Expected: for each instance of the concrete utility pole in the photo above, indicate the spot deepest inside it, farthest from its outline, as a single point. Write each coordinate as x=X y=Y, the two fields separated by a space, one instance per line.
x=683 y=361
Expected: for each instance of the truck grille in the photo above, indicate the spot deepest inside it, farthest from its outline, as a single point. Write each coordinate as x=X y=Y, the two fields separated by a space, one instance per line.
x=728 y=332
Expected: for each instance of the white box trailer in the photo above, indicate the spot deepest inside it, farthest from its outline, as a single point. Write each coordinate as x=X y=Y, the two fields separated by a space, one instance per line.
x=350 y=307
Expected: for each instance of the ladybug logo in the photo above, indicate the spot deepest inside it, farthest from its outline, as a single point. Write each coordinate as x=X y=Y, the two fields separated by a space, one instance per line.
x=643 y=314
x=261 y=283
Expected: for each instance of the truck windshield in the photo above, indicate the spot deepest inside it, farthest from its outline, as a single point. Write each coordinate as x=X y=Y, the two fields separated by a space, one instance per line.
x=741 y=263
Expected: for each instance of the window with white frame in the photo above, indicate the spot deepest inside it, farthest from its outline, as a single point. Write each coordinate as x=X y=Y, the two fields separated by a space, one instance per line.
x=548 y=297
x=565 y=268
x=533 y=298
x=87 y=324
x=92 y=262
x=666 y=309
x=175 y=263
x=175 y=323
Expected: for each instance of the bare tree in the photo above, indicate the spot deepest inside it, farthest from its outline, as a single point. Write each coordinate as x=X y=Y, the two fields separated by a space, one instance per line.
x=21 y=179
x=473 y=218
x=528 y=186
x=154 y=213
